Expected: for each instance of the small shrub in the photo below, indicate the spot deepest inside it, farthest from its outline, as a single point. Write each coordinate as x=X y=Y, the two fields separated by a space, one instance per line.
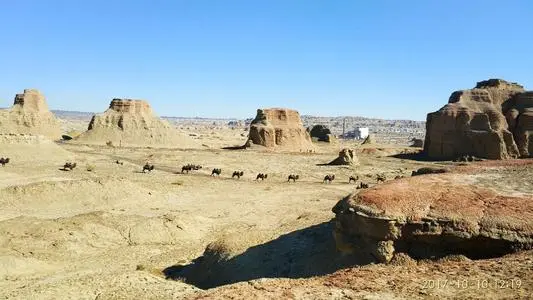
x=90 y=168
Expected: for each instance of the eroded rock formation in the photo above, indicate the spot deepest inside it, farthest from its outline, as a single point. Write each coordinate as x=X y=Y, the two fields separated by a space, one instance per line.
x=30 y=115
x=132 y=123
x=321 y=133
x=281 y=129
x=492 y=120
x=437 y=215
x=346 y=157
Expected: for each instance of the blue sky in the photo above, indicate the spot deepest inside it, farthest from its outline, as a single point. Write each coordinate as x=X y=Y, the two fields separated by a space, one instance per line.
x=388 y=59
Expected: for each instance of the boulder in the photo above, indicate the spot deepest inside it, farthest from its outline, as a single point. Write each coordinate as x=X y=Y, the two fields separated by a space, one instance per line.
x=492 y=120
x=30 y=115
x=281 y=129
x=418 y=143
x=130 y=122
x=346 y=157
x=321 y=133
x=438 y=215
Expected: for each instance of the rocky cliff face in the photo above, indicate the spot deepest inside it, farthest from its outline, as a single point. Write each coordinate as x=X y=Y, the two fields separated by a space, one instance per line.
x=281 y=129
x=483 y=121
x=130 y=122
x=30 y=115
x=520 y=121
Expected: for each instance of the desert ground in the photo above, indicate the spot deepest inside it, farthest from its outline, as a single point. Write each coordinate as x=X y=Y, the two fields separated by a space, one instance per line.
x=109 y=231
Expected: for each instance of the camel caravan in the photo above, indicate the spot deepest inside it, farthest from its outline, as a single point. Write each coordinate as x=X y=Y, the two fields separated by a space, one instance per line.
x=216 y=172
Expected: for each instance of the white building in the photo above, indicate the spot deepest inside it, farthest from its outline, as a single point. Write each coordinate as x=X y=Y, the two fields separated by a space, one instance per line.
x=361 y=133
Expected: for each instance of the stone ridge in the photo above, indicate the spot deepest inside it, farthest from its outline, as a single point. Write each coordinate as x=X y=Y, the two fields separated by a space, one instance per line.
x=498 y=83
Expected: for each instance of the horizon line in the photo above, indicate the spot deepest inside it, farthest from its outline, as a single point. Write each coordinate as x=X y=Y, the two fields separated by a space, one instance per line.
x=242 y=118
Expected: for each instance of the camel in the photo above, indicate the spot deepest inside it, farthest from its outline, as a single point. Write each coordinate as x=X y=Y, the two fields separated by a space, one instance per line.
x=216 y=172
x=261 y=176
x=353 y=178
x=69 y=166
x=238 y=174
x=190 y=167
x=148 y=168
x=4 y=161
x=329 y=178
x=186 y=168
x=293 y=177
x=381 y=177
x=362 y=185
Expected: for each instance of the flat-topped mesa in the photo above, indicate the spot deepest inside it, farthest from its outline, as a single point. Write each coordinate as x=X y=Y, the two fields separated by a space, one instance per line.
x=31 y=100
x=483 y=121
x=130 y=106
x=30 y=115
x=132 y=123
x=280 y=128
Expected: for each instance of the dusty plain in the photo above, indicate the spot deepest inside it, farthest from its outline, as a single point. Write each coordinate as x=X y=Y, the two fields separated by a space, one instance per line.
x=117 y=233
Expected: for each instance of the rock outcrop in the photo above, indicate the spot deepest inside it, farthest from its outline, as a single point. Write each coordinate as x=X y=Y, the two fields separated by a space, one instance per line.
x=492 y=120
x=321 y=133
x=132 y=123
x=280 y=128
x=346 y=157
x=417 y=143
x=30 y=115
x=437 y=215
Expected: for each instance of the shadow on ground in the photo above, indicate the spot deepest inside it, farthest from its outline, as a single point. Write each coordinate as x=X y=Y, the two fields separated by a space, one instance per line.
x=303 y=253
x=242 y=147
x=418 y=156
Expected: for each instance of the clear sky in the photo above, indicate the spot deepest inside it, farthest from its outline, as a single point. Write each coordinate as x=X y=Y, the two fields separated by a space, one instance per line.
x=225 y=58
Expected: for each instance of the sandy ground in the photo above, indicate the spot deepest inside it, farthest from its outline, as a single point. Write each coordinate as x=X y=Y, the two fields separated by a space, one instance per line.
x=109 y=233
